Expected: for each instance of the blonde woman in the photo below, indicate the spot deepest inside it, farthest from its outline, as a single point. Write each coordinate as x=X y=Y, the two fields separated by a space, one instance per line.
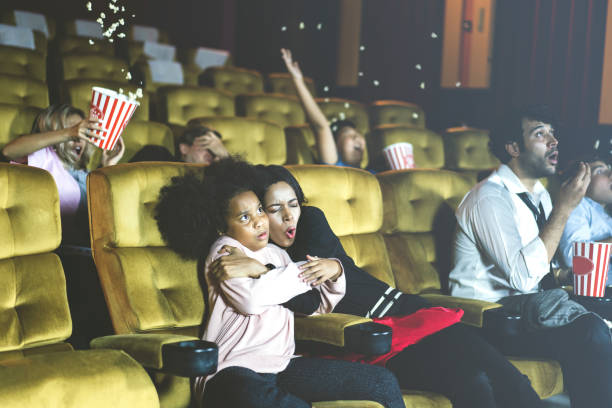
x=60 y=143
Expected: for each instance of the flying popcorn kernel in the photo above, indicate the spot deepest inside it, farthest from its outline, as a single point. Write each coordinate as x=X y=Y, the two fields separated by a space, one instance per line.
x=102 y=15
x=121 y=35
x=418 y=67
x=326 y=88
x=362 y=48
x=360 y=73
x=375 y=82
x=342 y=116
x=326 y=99
x=415 y=115
x=347 y=105
x=91 y=42
x=121 y=21
x=319 y=26
x=458 y=84
x=284 y=28
x=128 y=76
x=434 y=35
x=422 y=85
x=596 y=146
x=302 y=25
x=88 y=5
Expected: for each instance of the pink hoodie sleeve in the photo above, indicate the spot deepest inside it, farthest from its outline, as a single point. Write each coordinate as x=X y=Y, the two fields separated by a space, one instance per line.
x=332 y=292
x=253 y=296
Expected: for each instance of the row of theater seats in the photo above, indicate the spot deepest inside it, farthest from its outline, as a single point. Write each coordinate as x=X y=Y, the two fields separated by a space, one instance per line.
x=154 y=298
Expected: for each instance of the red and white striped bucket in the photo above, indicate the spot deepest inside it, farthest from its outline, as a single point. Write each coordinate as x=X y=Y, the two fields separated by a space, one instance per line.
x=114 y=110
x=399 y=156
x=590 y=267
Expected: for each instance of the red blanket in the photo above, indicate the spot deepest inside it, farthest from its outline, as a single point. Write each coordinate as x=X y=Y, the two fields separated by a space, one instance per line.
x=408 y=330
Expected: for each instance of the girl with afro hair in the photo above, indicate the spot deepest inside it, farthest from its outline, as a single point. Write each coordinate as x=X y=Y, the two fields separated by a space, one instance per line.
x=219 y=214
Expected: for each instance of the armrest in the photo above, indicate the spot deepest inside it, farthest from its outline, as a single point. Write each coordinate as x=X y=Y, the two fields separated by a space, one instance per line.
x=352 y=333
x=184 y=356
x=474 y=309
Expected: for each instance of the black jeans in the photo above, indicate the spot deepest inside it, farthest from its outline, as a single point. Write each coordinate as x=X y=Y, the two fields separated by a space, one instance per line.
x=305 y=380
x=584 y=349
x=459 y=364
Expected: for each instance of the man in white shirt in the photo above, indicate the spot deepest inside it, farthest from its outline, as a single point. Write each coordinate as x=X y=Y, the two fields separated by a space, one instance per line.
x=507 y=235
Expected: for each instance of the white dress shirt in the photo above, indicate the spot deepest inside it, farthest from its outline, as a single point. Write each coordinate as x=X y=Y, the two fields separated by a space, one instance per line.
x=498 y=251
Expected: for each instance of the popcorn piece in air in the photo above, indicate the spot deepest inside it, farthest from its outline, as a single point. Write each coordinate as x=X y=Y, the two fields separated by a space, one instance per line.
x=341 y=115
x=302 y=25
x=596 y=146
x=121 y=35
x=128 y=76
x=458 y=84
x=91 y=42
x=422 y=85
x=284 y=28
x=326 y=99
x=102 y=15
x=418 y=67
x=319 y=26
x=326 y=88
x=362 y=48
x=121 y=21
x=121 y=91
x=415 y=115
x=88 y=5
x=434 y=35
x=360 y=73
x=375 y=82
x=347 y=105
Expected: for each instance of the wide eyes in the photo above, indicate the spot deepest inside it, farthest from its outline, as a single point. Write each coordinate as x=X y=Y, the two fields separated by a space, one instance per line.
x=260 y=210
x=244 y=218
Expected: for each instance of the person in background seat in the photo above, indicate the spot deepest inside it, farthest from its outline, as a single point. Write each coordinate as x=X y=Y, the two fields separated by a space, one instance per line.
x=199 y=144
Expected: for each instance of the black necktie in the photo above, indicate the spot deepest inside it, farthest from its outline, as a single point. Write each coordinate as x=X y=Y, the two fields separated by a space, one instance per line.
x=548 y=281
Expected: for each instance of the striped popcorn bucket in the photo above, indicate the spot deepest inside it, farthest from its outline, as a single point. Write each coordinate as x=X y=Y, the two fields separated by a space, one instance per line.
x=114 y=110
x=399 y=156
x=590 y=267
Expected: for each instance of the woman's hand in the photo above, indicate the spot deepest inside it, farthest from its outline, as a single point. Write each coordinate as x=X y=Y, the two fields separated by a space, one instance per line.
x=235 y=265
x=112 y=157
x=316 y=271
x=292 y=66
x=86 y=130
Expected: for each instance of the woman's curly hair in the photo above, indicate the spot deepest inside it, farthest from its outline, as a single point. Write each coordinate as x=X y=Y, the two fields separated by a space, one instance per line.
x=191 y=212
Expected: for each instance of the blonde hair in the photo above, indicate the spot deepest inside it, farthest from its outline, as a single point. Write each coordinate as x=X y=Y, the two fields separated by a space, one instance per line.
x=55 y=117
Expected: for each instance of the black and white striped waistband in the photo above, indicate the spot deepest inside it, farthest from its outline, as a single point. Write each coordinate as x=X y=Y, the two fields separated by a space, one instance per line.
x=384 y=303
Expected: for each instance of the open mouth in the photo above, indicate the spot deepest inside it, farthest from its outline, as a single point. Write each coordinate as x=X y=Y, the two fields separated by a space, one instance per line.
x=290 y=232
x=553 y=157
x=262 y=236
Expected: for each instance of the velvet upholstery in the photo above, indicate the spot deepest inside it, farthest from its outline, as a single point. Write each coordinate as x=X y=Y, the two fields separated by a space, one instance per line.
x=326 y=328
x=427 y=146
x=98 y=378
x=301 y=145
x=24 y=91
x=72 y=44
x=93 y=66
x=257 y=141
x=232 y=79
x=389 y=112
x=36 y=367
x=179 y=104
x=138 y=134
x=345 y=109
x=468 y=149
x=284 y=110
x=282 y=83
x=21 y=61
x=15 y=121
x=77 y=92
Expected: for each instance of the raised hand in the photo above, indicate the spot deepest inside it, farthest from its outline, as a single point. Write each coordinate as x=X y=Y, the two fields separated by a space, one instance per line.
x=292 y=66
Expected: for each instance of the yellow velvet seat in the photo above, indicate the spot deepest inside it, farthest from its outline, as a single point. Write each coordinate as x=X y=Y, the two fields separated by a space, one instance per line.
x=15 y=121
x=93 y=66
x=72 y=44
x=179 y=104
x=232 y=79
x=467 y=151
x=149 y=289
x=427 y=146
x=418 y=229
x=282 y=83
x=344 y=109
x=24 y=91
x=37 y=368
x=284 y=110
x=77 y=92
x=389 y=112
x=138 y=134
x=23 y=62
x=257 y=141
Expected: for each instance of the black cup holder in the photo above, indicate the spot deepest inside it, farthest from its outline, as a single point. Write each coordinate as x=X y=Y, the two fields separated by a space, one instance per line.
x=368 y=338
x=190 y=358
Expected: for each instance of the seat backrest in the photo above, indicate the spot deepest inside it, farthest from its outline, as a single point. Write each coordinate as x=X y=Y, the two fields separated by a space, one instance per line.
x=284 y=110
x=301 y=145
x=282 y=83
x=139 y=133
x=232 y=79
x=389 y=112
x=344 y=109
x=257 y=141
x=21 y=61
x=72 y=44
x=419 y=225
x=468 y=149
x=24 y=91
x=77 y=92
x=93 y=66
x=352 y=202
x=33 y=302
x=427 y=146
x=147 y=286
x=15 y=121
x=180 y=104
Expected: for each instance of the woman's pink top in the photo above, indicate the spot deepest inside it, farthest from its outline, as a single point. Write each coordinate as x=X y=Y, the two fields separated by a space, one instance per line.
x=68 y=188
x=246 y=320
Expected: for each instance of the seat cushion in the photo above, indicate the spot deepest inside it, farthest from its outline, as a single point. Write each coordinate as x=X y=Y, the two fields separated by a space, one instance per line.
x=234 y=80
x=15 y=121
x=387 y=112
x=285 y=110
x=96 y=378
x=21 y=61
x=468 y=149
x=24 y=91
x=93 y=66
x=545 y=375
x=180 y=104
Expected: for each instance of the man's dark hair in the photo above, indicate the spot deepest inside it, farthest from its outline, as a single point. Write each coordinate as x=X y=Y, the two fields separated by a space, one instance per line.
x=510 y=128
x=337 y=126
x=191 y=211
x=269 y=175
